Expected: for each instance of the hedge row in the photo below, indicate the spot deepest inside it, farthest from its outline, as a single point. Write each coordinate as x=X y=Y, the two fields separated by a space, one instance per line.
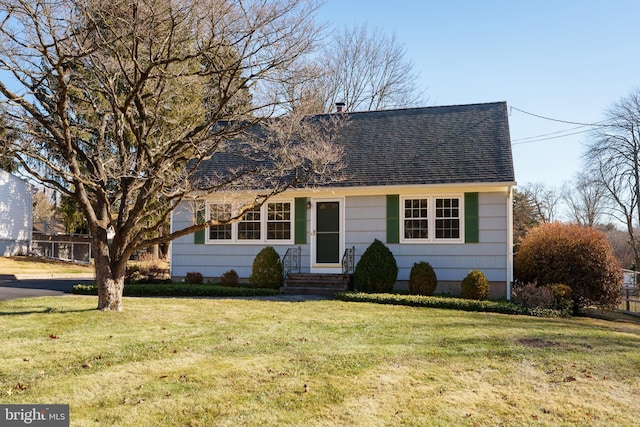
x=179 y=290
x=503 y=307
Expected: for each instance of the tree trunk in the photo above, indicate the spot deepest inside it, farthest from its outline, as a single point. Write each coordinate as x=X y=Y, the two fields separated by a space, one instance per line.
x=110 y=293
x=109 y=280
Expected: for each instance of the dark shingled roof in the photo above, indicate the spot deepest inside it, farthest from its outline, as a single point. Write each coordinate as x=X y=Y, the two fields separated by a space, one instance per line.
x=431 y=145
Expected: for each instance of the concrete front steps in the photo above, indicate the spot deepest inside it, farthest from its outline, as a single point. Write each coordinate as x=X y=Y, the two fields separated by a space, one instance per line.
x=315 y=284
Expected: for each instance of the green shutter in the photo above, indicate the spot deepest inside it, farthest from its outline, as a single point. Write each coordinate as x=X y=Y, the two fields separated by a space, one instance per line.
x=471 y=218
x=393 y=218
x=198 y=236
x=300 y=223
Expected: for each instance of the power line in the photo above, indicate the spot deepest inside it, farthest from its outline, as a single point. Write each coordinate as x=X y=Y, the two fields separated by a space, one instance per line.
x=548 y=134
x=554 y=135
x=557 y=120
x=546 y=139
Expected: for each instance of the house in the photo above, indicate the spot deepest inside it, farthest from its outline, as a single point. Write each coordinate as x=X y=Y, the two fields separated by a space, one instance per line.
x=434 y=184
x=15 y=215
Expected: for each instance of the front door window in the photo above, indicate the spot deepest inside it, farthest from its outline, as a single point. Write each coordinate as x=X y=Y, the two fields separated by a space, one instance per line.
x=328 y=232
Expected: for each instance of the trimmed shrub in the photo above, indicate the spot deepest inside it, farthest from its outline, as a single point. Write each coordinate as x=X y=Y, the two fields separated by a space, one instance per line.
x=149 y=271
x=564 y=298
x=544 y=299
x=194 y=278
x=505 y=307
x=229 y=278
x=377 y=269
x=422 y=279
x=133 y=274
x=475 y=285
x=267 y=269
x=577 y=256
x=532 y=296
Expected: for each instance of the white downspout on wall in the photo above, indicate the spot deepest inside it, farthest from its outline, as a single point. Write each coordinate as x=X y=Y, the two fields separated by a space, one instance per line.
x=509 y=241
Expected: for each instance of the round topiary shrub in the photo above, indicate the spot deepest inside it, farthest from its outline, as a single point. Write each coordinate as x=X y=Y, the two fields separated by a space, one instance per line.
x=267 y=269
x=422 y=279
x=194 y=278
x=475 y=286
x=229 y=278
x=377 y=270
x=577 y=256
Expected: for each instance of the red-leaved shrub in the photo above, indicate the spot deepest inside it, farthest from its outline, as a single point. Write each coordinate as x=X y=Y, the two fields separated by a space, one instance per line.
x=577 y=256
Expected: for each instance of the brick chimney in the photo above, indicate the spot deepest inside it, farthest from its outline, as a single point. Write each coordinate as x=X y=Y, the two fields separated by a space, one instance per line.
x=339 y=107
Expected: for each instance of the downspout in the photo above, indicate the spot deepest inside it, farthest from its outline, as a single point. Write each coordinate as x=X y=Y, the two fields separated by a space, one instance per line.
x=171 y=219
x=509 y=241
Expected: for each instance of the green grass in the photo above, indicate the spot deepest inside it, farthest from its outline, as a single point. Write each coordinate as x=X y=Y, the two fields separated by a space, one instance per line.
x=36 y=265
x=165 y=362
x=180 y=290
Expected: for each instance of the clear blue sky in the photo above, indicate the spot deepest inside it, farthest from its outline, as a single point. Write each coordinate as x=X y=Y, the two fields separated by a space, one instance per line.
x=562 y=59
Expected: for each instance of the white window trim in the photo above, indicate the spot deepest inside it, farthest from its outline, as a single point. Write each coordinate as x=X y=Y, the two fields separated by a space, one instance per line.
x=431 y=218
x=263 y=227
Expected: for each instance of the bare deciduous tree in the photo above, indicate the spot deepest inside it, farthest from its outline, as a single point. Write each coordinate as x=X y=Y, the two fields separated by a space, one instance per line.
x=117 y=104
x=619 y=241
x=368 y=71
x=358 y=66
x=543 y=200
x=613 y=159
x=585 y=199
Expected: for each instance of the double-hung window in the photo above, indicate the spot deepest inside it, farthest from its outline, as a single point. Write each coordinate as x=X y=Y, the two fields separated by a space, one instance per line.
x=447 y=218
x=431 y=219
x=249 y=226
x=416 y=219
x=272 y=222
x=220 y=212
x=279 y=221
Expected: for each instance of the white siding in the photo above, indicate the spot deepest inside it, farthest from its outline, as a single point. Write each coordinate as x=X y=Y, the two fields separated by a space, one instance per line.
x=365 y=220
x=15 y=215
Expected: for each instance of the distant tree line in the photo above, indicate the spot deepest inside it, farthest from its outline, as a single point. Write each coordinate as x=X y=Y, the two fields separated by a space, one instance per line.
x=606 y=195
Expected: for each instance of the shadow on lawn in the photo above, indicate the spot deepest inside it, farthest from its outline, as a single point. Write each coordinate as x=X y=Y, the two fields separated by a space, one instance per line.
x=45 y=310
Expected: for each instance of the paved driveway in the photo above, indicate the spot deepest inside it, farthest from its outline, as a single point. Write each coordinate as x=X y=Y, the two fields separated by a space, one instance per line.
x=12 y=287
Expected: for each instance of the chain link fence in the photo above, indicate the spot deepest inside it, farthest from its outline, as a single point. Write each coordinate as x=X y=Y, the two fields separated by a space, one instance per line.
x=64 y=247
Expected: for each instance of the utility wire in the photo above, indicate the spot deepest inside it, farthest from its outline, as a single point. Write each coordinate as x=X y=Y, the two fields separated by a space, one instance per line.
x=557 y=120
x=547 y=134
x=546 y=139
x=558 y=134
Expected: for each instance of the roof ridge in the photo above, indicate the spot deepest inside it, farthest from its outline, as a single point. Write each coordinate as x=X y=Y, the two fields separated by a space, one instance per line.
x=408 y=109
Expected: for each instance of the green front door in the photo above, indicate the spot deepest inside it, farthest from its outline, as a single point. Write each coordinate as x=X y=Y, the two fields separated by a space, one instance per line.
x=328 y=232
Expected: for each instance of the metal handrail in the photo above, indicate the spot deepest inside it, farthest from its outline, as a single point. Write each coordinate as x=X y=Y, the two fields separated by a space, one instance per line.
x=291 y=261
x=348 y=261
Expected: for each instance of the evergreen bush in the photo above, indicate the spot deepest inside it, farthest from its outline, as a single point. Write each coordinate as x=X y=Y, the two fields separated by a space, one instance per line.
x=267 y=269
x=422 y=279
x=475 y=286
x=377 y=269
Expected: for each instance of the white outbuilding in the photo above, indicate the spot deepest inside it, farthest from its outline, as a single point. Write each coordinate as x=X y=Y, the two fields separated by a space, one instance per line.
x=15 y=215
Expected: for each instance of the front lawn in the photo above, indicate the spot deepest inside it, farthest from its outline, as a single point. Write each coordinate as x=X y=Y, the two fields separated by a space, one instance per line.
x=203 y=362
x=40 y=265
